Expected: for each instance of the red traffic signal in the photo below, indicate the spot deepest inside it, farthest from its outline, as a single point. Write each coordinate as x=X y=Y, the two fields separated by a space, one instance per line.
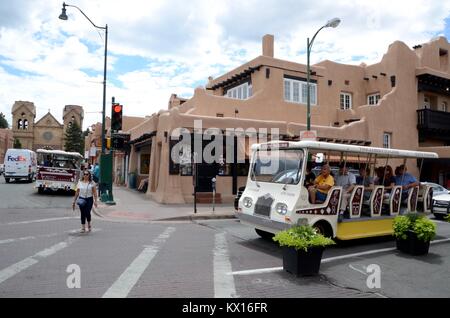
x=116 y=117
x=117 y=108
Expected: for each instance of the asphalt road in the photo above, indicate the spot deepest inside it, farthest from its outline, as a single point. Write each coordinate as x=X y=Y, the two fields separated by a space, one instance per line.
x=43 y=255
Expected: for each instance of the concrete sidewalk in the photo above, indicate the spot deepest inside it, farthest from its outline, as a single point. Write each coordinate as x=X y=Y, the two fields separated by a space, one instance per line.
x=135 y=206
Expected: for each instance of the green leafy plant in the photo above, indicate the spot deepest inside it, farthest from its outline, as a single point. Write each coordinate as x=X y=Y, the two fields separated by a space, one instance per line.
x=447 y=218
x=302 y=237
x=424 y=228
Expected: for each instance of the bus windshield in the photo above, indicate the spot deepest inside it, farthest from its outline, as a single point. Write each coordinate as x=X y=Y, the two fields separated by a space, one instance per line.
x=277 y=166
x=57 y=160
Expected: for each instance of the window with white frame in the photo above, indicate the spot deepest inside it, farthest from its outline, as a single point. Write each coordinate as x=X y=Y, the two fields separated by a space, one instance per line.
x=346 y=101
x=296 y=91
x=373 y=99
x=242 y=91
x=387 y=140
x=444 y=107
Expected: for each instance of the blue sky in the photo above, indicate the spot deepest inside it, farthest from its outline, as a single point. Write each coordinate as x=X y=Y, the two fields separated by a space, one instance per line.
x=160 y=47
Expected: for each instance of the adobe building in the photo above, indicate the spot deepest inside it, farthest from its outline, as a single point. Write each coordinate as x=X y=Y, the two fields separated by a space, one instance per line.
x=6 y=142
x=93 y=144
x=400 y=102
x=47 y=132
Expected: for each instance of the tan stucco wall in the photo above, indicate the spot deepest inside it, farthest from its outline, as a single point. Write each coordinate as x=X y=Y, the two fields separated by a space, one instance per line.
x=396 y=112
x=6 y=142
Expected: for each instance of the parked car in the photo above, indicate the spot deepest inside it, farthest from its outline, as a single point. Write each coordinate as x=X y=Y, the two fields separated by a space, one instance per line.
x=437 y=189
x=440 y=206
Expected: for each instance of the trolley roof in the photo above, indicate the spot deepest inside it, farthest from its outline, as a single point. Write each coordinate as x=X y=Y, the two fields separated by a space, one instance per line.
x=59 y=152
x=326 y=146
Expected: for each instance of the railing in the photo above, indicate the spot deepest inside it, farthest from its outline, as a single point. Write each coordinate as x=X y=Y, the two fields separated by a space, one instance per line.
x=428 y=119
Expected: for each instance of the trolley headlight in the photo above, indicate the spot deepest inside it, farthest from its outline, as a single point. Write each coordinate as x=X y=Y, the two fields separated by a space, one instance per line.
x=281 y=208
x=248 y=202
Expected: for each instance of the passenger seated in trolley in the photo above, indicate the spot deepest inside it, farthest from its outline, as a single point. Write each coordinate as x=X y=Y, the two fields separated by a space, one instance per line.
x=406 y=180
x=386 y=178
x=324 y=182
x=365 y=180
x=347 y=181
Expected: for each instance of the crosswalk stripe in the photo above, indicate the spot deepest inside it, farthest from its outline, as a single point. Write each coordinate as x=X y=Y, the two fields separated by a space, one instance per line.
x=40 y=220
x=223 y=283
x=123 y=285
x=30 y=261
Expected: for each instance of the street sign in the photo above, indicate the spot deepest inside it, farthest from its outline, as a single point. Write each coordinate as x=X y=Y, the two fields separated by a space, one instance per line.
x=310 y=135
x=119 y=140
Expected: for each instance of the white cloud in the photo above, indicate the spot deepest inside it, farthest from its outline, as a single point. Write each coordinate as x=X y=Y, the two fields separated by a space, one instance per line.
x=54 y=63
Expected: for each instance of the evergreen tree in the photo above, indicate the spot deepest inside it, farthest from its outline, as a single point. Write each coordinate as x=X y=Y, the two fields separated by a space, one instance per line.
x=3 y=121
x=17 y=144
x=74 y=140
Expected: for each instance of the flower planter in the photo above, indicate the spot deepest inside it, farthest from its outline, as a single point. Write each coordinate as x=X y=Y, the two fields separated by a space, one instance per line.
x=412 y=245
x=301 y=263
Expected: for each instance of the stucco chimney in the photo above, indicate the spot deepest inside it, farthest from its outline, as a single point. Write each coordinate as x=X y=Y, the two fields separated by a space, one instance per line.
x=267 y=45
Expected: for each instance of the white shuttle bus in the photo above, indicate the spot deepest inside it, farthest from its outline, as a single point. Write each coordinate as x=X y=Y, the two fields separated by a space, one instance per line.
x=276 y=197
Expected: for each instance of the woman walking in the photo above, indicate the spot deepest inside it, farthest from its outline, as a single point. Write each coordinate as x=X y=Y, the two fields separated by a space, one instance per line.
x=85 y=197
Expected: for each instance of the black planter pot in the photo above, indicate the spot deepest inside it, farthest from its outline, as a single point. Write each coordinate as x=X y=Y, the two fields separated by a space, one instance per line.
x=301 y=263
x=412 y=245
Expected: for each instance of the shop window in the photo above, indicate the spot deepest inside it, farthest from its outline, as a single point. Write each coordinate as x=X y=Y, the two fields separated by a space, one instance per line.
x=144 y=164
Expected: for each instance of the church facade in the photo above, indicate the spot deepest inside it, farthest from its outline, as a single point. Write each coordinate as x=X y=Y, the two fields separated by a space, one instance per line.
x=47 y=132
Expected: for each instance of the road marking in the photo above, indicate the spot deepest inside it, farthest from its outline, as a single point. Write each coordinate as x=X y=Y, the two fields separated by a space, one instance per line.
x=325 y=260
x=25 y=238
x=223 y=284
x=123 y=285
x=40 y=220
x=30 y=261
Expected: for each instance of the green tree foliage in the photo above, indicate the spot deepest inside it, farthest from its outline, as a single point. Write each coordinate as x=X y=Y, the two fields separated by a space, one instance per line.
x=3 y=121
x=74 y=140
x=17 y=144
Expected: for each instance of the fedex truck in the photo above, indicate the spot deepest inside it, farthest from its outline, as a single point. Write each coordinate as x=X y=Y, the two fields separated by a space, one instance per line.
x=20 y=164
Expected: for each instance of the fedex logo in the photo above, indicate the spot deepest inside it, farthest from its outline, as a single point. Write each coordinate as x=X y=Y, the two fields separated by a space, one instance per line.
x=18 y=158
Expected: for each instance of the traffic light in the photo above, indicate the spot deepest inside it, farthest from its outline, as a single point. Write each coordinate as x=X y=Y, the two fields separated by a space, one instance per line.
x=116 y=117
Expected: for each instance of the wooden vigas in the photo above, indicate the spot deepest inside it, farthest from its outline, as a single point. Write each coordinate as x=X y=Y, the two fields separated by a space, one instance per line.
x=356 y=201
x=376 y=201
x=412 y=199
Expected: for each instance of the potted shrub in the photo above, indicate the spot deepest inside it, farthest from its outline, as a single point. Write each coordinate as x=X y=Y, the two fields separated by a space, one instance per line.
x=413 y=233
x=302 y=249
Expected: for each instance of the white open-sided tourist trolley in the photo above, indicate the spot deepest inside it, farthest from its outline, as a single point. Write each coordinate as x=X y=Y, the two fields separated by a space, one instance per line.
x=275 y=197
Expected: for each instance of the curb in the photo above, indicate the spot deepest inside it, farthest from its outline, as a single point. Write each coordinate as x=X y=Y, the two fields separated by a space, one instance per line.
x=198 y=217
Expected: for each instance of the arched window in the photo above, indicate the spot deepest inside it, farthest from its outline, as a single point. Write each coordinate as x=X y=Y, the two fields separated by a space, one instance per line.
x=19 y=124
x=25 y=124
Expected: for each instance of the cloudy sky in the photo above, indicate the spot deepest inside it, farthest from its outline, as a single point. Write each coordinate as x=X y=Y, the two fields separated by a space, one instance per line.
x=160 y=47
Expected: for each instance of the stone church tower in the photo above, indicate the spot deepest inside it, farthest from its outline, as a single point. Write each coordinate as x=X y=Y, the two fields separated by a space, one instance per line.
x=72 y=113
x=24 y=114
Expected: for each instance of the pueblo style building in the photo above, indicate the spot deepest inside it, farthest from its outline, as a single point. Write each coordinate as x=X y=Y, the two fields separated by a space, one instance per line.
x=400 y=102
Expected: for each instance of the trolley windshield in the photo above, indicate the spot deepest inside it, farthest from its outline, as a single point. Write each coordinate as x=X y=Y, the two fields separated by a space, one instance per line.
x=277 y=166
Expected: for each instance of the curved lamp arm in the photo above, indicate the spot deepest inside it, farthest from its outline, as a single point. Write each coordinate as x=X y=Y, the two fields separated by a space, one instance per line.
x=69 y=5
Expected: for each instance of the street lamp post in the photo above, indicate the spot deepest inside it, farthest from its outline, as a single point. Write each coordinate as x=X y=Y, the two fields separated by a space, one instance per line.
x=105 y=188
x=332 y=23
x=63 y=16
